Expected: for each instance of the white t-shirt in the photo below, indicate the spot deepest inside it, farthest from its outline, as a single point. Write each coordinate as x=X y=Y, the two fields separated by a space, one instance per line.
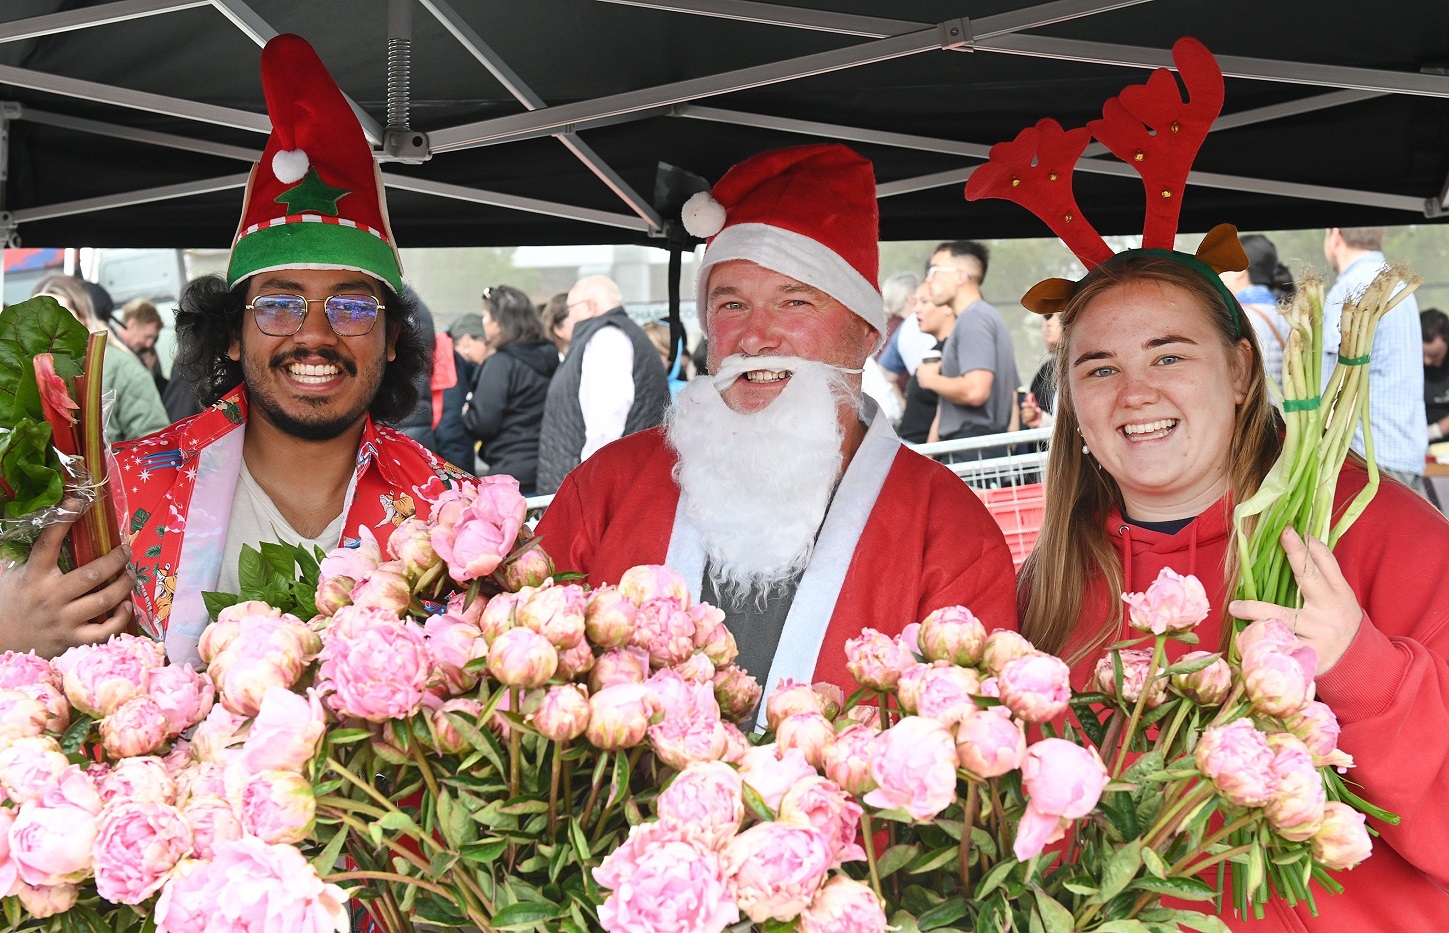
x=606 y=388
x=254 y=518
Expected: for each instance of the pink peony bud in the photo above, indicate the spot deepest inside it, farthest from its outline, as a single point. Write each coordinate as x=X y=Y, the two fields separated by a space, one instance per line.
x=1173 y=603
x=667 y=883
x=286 y=732
x=51 y=838
x=697 y=669
x=138 y=780
x=717 y=642
x=555 y=612
x=22 y=670
x=575 y=661
x=698 y=735
x=411 y=546
x=486 y=530
x=1209 y=686
x=446 y=737
x=989 y=745
x=946 y=693
x=1002 y=647
x=1135 y=662
x=281 y=891
x=1035 y=687
x=217 y=733
x=847 y=760
x=274 y=653
x=953 y=634
x=865 y=715
x=654 y=581
x=1318 y=727
x=212 y=821
x=1267 y=631
x=137 y=727
x=664 y=629
x=1279 y=683
x=609 y=618
x=738 y=744
x=810 y=732
x=29 y=766
x=459 y=605
x=500 y=615
x=908 y=687
x=619 y=716
x=521 y=657
x=877 y=661
x=775 y=869
x=21 y=716
x=449 y=507
x=1342 y=841
x=1063 y=781
x=373 y=667
x=385 y=588
x=670 y=695
x=1237 y=759
x=334 y=593
x=275 y=806
x=737 y=692
x=619 y=666
x=42 y=901
x=771 y=770
x=1296 y=810
x=354 y=562
x=844 y=905
x=454 y=643
x=136 y=846
x=52 y=698
x=184 y=695
x=820 y=803
x=99 y=678
x=564 y=713
x=910 y=638
x=531 y=568
x=914 y=762
x=203 y=779
x=788 y=698
x=707 y=799
x=832 y=698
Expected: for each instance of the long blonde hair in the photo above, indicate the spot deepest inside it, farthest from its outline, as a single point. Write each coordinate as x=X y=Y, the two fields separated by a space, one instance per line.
x=1074 y=551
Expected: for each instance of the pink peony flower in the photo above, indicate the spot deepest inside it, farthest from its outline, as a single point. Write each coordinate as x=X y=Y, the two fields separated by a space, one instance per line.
x=810 y=732
x=1237 y=759
x=386 y=587
x=914 y=762
x=411 y=546
x=212 y=821
x=698 y=669
x=99 y=678
x=738 y=744
x=1279 y=683
x=286 y=732
x=619 y=716
x=1296 y=810
x=1342 y=841
x=775 y=869
x=21 y=716
x=1002 y=647
x=820 y=803
x=865 y=716
x=275 y=806
x=446 y=737
x=274 y=653
x=498 y=616
x=989 y=745
x=697 y=734
x=184 y=696
x=877 y=661
x=454 y=643
x=737 y=692
x=847 y=760
x=619 y=666
x=673 y=886
x=1135 y=662
x=953 y=634
x=521 y=657
x=352 y=562
x=910 y=638
x=564 y=713
x=1318 y=727
x=51 y=838
x=712 y=635
x=1173 y=603
x=52 y=699
x=9 y=872
x=575 y=661
x=136 y=727
x=664 y=629
x=832 y=698
x=374 y=668
x=485 y=532
x=1063 y=782
x=705 y=802
x=609 y=618
x=449 y=506
x=22 y=670
x=1268 y=631
x=654 y=581
x=218 y=733
x=670 y=694
x=203 y=779
x=908 y=687
x=136 y=846
x=946 y=693
x=30 y=765
x=844 y=905
x=42 y=901
x=556 y=613
x=531 y=568
x=1035 y=687
x=790 y=697
x=138 y=780
x=771 y=770
x=333 y=593
x=250 y=887
x=1209 y=686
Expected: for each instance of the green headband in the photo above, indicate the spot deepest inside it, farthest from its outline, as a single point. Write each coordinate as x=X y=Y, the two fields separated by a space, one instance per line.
x=1196 y=265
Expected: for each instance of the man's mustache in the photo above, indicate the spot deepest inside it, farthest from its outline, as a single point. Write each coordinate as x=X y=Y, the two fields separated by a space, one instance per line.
x=303 y=356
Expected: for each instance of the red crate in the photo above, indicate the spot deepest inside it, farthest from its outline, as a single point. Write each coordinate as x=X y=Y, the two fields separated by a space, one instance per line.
x=1018 y=511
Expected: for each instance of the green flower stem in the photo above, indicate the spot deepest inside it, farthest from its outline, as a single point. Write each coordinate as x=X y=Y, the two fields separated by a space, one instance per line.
x=869 y=836
x=361 y=829
x=425 y=769
x=373 y=792
x=634 y=755
x=393 y=912
x=968 y=820
x=350 y=805
x=1173 y=814
x=390 y=877
x=1131 y=730
x=885 y=710
x=1240 y=823
x=515 y=746
x=599 y=773
x=553 y=781
x=1146 y=898
x=998 y=823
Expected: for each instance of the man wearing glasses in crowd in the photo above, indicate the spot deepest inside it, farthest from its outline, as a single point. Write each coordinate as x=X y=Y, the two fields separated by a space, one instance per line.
x=297 y=353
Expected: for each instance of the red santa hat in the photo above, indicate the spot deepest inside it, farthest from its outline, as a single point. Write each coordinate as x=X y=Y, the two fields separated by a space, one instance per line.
x=315 y=200
x=808 y=212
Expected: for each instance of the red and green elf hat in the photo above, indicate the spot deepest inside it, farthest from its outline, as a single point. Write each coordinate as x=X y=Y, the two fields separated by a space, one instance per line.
x=315 y=200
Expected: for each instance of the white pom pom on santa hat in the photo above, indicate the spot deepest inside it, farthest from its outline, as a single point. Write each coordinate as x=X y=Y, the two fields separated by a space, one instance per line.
x=290 y=165
x=703 y=216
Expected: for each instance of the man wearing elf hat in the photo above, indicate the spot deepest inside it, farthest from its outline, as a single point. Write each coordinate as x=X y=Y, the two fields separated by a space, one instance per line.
x=776 y=488
x=298 y=353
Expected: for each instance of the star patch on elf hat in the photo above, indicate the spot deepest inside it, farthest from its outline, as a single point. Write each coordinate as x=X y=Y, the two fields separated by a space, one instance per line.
x=808 y=212
x=1151 y=128
x=315 y=200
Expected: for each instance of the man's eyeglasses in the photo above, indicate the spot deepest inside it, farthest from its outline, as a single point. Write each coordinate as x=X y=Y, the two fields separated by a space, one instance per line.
x=282 y=315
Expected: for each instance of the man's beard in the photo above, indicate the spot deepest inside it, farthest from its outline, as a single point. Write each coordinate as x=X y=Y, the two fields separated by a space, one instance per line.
x=316 y=426
x=757 y=485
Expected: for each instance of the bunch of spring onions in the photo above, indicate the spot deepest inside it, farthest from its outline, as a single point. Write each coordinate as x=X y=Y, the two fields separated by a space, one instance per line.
x=1298 y=491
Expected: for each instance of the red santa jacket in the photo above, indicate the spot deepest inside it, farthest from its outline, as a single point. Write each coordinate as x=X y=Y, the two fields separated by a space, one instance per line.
x=175 y=487
x=903 y=536
x=1390 y=691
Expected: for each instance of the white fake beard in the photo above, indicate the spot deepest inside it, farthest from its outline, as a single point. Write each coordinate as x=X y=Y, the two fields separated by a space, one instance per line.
x=757 y=485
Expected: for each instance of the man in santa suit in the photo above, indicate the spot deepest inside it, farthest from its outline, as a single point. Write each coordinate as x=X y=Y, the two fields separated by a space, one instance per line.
x=775 y=487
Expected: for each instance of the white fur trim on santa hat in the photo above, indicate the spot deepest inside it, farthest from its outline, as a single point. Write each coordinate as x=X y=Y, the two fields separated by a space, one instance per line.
x=799 y=257
x=703 y=216
x=290 y=165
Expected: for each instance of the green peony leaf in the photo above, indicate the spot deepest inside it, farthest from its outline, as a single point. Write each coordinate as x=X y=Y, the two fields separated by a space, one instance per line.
x=1189 y=889
x=1055 y=918
x=897 y=857
x=526 y=914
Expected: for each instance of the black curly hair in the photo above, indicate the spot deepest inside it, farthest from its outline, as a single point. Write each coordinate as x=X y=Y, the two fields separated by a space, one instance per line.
x=209 y=317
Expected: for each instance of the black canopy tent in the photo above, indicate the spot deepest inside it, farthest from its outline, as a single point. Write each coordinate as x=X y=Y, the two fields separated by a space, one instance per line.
x=130 y=123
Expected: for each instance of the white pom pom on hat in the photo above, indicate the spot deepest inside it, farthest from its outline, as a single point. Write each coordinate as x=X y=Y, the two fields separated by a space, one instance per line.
x=703 y=216
x=290 y=165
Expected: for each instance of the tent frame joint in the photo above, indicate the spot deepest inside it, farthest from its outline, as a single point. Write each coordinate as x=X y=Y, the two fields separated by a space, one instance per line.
x=956 y=35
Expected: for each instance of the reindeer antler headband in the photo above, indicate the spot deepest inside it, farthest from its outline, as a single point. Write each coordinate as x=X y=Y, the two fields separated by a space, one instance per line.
x=1152 y=129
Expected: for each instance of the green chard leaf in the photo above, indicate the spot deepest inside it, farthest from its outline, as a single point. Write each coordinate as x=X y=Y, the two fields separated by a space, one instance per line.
x=29 y=468
x=39 y=325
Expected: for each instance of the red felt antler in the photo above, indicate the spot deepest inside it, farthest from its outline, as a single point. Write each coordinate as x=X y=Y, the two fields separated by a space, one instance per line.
x=1035 y=171
x=1149 y=127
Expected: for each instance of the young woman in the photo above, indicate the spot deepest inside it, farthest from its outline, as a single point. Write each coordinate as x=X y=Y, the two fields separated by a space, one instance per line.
x=507 y=405
x=1163 y=422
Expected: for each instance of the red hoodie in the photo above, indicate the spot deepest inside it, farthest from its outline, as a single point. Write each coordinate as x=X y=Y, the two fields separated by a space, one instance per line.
x=1390 y=691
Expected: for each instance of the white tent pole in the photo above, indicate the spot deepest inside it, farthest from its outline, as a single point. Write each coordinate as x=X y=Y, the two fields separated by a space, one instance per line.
x=513 y=202
x=117 y=131
x=36 y=26
x=144 y=196
x=135 y=100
